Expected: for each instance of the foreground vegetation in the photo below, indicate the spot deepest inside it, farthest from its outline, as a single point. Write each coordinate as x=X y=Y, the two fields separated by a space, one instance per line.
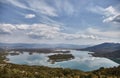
x=8 y=70
x=24 y=71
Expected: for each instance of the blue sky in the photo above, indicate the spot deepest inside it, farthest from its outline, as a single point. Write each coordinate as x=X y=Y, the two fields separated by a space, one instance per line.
x=59 y=21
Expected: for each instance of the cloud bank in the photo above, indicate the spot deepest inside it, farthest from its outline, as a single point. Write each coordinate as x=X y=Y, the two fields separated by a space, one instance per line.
x=42 y=31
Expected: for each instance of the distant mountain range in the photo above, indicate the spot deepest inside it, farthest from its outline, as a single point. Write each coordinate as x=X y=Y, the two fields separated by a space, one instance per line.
x=24 y=45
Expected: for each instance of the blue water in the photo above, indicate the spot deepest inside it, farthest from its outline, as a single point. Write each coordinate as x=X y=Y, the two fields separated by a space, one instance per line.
x=83 y=61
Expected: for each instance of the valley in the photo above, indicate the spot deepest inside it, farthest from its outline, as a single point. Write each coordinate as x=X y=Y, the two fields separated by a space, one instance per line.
x=57 y=63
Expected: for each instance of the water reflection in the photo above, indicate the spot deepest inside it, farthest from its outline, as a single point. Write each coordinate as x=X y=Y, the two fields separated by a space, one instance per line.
x=82 y=61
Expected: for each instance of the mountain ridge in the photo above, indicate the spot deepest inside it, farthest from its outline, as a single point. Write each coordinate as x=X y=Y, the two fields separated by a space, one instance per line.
x=103 y=48
x=31 y=45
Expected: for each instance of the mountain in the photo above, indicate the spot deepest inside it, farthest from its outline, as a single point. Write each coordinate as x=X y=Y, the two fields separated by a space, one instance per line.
x=114 y=54
x=103 y=48
x=108 y=50
x=24 y=45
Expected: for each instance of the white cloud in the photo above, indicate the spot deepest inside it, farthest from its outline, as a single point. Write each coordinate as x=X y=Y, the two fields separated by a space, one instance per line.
x=38 y=6
x=42 y=32
x=65 y=6
x=110 y=13
x=16 y=3
x=42 y=7
x=6 y=28
x=22 y=26
x=105 y=34
x=117 y=18
x=78 y=36
x=30 y=16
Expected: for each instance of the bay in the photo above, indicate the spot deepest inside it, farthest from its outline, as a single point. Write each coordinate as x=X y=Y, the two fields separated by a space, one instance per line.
x=83 y=60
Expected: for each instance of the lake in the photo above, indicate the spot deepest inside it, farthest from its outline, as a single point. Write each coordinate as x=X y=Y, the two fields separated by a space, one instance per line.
x=82 y=61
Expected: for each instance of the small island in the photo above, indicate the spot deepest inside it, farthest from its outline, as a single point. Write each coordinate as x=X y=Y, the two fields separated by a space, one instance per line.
x=60 y=57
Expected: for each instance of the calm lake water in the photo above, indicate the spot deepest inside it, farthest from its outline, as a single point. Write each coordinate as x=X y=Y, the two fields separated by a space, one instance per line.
x=83 y=60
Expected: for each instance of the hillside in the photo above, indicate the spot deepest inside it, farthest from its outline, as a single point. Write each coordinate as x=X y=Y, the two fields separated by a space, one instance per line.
x=103 y=48
x=108 y=50
x=24 y=71
x=115 y=54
